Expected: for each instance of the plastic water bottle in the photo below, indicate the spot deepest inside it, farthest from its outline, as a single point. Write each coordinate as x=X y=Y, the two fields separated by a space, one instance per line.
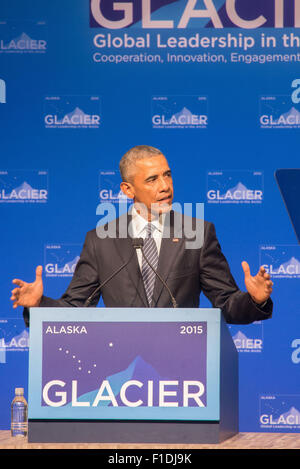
x=19 y=410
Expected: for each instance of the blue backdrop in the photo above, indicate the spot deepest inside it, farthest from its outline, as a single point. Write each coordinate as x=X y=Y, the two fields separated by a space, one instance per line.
x=214 y=85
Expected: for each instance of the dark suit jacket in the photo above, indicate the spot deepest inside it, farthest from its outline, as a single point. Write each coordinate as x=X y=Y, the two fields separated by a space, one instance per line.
x=188 y=272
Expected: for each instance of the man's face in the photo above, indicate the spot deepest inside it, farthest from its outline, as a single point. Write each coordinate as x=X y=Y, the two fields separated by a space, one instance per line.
x=151 y=185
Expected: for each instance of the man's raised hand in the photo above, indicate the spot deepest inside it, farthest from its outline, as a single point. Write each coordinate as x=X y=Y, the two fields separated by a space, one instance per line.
x=28 y=294
x=260 y=286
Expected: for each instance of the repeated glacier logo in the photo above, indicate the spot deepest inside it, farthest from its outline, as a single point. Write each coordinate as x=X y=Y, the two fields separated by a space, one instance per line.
x=249 y=339
x=281 y=262
x=13 y=337
x=23 y=186
x=19 y=342
x=247 y=344
x=61 y=260
x=279 y=112
x=27 y=37
x=179 y=112
x=109 y=187
x=23 y=43
x=234 y=187
x=280 y=412
x=72 y=112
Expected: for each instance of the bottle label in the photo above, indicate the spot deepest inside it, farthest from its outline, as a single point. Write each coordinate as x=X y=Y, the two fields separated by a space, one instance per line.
x=19 y=421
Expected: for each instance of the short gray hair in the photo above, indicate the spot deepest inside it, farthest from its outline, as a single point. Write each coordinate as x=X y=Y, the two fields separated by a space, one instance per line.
x=136 y=153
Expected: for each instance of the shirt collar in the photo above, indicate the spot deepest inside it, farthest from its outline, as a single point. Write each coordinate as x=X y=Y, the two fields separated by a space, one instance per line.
x=140 y=223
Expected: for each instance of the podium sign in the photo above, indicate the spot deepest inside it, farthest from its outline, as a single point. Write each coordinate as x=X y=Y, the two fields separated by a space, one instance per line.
x=104 y=367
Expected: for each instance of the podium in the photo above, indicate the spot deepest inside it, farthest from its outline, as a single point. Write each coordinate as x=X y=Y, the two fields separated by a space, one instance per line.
x=131 y=375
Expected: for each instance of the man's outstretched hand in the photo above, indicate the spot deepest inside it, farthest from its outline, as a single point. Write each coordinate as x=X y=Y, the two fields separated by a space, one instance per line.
x=259 y=287
x=28 y=294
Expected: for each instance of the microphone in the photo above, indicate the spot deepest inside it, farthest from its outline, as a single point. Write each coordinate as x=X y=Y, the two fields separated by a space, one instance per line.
x=139 y=242
x=135 y=244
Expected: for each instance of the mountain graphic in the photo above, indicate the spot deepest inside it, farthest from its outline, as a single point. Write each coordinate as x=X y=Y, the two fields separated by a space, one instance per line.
x=14 y=341
x=23 y=37
x=239 y=187
x=139 y=370
x=291 y=113
x=77 y=112
x=65 y=267
x=72 y=263
x=239 y=336
x=183 y=113
x=294 y=412
x=293 y=261
x=23 y=187
x=23 y=335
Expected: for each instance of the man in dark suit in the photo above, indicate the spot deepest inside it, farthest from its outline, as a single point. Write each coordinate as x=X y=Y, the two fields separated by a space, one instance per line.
x=186 y=268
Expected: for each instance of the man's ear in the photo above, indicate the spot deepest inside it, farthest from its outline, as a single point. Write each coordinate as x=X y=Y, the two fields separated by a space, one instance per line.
x=127 y=189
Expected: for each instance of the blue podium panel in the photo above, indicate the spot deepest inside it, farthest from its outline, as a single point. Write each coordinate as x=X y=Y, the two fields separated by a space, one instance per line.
x=125 y=364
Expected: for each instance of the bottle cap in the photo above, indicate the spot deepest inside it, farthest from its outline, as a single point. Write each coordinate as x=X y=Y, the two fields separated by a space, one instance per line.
x=19 y=391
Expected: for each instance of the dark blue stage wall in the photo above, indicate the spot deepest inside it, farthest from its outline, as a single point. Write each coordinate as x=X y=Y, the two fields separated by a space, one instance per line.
x=216 y=86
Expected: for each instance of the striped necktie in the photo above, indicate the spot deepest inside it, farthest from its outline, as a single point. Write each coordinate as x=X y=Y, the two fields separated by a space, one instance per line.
x=150 y=251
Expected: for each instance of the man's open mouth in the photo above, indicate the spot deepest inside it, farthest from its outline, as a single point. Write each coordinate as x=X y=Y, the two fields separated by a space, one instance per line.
x=165 y=199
